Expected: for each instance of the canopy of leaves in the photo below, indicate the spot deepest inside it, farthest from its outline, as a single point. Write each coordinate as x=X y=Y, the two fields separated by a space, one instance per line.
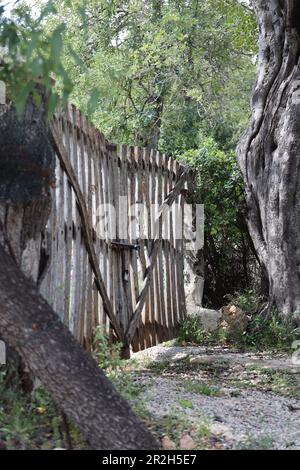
x=158 y=72
x=147 y=72
x=30 y=56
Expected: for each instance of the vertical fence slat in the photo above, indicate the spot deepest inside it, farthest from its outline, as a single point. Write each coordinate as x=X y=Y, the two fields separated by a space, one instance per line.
x=125 y=257
x=143 y=326
x=103 y=240
x=76 y=274
x=96 y=317
x=84 y=257
x=89 y=291
x=174 y=267
x=160 y=267
x=180 y=251
x=167 y=249
x=149 y=318
x=69 y=229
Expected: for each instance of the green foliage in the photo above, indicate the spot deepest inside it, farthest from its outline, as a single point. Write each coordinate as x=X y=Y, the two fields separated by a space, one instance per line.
x=30 y=421
x=262 y=442
x=219 y=188
x=107 y=355
x=174 y=424
x=229 y=260
x=131 y=389
x=203 y=430
x=201 y=388
x=174 y=66
x=191 y=331
x=278 y=381
x=250 y=301
x=186 y=403
x=272 y=334
x=157 y=367
x=106 y=352
x=29 y=56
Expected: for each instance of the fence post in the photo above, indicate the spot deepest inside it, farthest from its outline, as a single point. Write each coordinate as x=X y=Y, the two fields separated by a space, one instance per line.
x=193 y=260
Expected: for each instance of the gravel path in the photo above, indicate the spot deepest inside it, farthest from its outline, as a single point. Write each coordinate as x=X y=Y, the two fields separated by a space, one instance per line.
x=257 y=402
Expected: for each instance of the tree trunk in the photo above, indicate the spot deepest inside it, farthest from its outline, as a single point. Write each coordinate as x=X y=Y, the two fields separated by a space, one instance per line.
x=27 y=322
x=70 y=374
x=269 y=153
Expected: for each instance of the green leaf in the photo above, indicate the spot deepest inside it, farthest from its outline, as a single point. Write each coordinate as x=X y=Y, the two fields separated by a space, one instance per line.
x=93 y=101
x=186 y=403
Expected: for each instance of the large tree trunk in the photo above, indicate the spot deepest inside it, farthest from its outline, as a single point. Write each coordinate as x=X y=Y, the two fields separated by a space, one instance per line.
x=269 y=153
x=27 y=322
x=70 y=374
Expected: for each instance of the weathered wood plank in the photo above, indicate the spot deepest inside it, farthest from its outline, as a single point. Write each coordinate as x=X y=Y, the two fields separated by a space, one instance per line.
x=76 y=269
x=173 y=311
x=86 y=229
x=149 y=314
x=90 y=195
x=144 y=325
x=69 y=229
x=167 y=251
x=155 y=328
x=84 y=255
x=128 y=312
x=160 y=267
x=104 y=220
x=133 y=266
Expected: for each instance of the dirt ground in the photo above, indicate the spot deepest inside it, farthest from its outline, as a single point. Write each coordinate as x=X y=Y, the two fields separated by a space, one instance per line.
x=216 y=398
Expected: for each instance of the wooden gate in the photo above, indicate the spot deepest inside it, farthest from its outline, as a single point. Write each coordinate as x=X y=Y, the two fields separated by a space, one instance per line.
x=130 y=284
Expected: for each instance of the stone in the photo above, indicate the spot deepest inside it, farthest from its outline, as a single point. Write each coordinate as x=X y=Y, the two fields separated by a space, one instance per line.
x=167 y=444
x=179 y=357
x=219 y=429
x=209 y=319
x=187 y=442
x=234 y=320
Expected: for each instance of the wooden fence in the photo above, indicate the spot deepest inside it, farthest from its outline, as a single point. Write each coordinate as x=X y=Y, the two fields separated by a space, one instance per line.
x=130 y=284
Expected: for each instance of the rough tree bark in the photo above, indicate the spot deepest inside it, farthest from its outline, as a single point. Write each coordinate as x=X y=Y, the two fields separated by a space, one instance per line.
x=27 y=322
x=73 y=378
x=269 y=153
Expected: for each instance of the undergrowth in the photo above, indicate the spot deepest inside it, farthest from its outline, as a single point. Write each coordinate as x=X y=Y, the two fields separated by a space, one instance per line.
x=261 y=334
x=32 y=420
x=119 y=371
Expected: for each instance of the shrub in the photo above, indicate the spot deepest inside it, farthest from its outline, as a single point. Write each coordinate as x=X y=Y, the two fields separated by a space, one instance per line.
x=250 y=301
x=261 y=334
x=191 y=331
x=106 y=353
x=230 y=263
x=32 y=421
x=272 y=334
